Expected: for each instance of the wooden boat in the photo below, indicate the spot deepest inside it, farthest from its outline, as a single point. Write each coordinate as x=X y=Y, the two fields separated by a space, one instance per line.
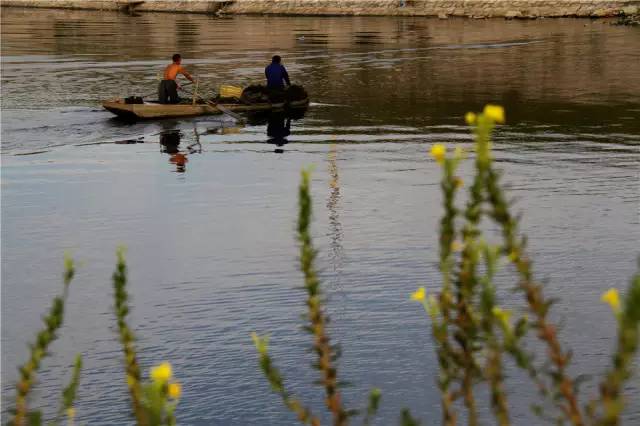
x=154 y=110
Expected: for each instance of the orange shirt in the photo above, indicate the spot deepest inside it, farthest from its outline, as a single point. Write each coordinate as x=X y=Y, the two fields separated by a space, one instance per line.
x=172 y=70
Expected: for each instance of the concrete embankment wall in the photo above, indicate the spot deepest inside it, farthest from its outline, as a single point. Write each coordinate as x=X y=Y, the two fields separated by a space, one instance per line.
x=468 y=8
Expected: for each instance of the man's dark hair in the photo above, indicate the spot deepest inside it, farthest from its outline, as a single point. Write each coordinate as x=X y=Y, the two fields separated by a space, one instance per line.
x=276 y=59
x=176 y=57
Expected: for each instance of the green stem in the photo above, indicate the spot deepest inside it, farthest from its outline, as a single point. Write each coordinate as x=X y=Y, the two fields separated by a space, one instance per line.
x=446 y=353
x=127 y=339
x=39 y=349
x=611 y=397
x=317 y=317
x=537 y=303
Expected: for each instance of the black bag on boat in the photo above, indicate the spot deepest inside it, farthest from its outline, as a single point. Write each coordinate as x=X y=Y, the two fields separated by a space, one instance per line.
x=133 y=100
x=295 y=93
x=255 y=94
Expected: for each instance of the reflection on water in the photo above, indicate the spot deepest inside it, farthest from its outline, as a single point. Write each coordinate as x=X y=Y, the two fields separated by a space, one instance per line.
x=335 y=226
x=170 y=144
x=170 y=141
x=278 y=128
x=278 y=125
x=180 y=160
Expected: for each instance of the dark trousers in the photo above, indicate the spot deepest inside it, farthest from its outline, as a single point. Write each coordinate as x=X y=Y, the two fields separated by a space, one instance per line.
x=168 y=92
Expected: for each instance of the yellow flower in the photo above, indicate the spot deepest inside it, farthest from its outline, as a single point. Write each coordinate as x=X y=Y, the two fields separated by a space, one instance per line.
x=470 y=118
x=456 y=246
x=502 y=315
x=175 y=390
x=438 y=152
x=71 y=412
x=162 y=372
x=419 y=295
x=261 y=343
x=494 y=112
x=612 y=297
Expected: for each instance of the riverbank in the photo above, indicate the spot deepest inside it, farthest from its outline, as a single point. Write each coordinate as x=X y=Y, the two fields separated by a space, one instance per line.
x=440 y=8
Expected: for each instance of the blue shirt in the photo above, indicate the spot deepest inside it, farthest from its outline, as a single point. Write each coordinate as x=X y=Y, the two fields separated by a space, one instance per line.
x=275 y=74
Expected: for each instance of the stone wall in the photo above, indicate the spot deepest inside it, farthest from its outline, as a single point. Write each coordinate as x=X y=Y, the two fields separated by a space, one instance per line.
x=468 y=8
x=441 y=8
x=184 y=6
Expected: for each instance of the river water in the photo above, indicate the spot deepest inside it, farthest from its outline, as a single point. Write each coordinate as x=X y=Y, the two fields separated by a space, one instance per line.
x=210 y=231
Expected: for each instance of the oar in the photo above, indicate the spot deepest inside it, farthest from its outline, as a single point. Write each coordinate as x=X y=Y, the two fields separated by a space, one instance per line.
x=220 y=107
x=227 y=111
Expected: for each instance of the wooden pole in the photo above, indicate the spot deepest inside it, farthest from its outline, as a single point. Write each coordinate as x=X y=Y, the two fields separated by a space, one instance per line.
x=195 y=93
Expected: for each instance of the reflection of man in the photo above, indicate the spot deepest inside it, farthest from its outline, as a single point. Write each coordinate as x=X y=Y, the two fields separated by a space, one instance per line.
x=276 y=74
x=168 y=88
x=169 y=142
x=277 y=130
x=180 y=160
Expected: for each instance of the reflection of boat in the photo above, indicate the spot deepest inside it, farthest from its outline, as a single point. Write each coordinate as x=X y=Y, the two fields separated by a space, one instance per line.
x=150 y=110
x=260 y=118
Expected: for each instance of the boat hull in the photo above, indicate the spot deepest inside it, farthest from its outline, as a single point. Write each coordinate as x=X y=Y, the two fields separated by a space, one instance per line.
x=148 y=111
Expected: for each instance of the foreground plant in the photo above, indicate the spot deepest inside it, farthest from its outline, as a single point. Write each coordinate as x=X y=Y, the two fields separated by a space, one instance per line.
x=154 y=402
x=317 y=318
x=70 y=392
x=607 y=408
x=38 y=351
x=127 y=338
x=473 y=332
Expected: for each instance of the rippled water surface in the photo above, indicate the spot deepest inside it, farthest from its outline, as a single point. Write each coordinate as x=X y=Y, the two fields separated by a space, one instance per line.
x=209 y=223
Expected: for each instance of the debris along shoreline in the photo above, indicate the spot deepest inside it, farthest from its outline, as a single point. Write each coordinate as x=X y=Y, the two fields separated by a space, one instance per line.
x=441 y=8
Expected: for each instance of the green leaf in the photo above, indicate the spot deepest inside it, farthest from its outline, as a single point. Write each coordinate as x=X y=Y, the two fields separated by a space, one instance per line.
x=406 y=419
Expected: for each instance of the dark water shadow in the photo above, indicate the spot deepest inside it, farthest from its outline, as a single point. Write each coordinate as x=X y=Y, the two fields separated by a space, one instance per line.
x=278 y=125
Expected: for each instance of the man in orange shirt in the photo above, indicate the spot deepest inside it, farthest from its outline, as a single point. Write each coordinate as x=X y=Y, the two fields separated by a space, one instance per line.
x=168 y=88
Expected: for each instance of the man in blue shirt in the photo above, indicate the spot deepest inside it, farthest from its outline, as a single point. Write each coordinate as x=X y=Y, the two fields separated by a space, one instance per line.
x=276 y=74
